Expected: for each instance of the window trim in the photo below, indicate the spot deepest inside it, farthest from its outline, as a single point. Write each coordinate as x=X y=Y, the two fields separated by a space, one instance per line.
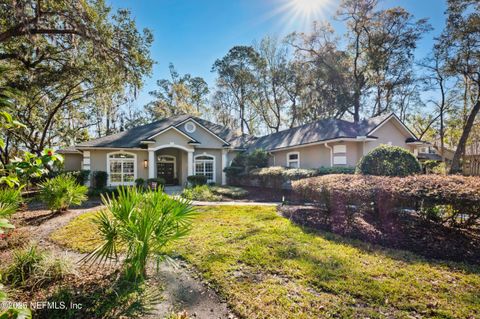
x=290 y=161
x=214 y=160
x=173 y=159
x=109 y=182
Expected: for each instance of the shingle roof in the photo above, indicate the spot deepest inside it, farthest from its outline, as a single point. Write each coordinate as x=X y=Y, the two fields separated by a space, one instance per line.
x=321 y=130
x=131 y=138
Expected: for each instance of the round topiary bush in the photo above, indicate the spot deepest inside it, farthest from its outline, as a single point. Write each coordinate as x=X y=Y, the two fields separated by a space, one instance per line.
x=388 y=161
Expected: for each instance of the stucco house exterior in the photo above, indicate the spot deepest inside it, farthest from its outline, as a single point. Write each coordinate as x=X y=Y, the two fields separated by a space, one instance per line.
x=180 y=146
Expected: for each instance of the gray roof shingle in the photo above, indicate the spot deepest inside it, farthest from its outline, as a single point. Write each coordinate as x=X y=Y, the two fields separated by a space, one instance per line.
x=321 y=130
x=131 y=138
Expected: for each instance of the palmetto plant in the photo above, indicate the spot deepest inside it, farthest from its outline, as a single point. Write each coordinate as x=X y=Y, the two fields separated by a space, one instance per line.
x=62 y=191
x=143 y=223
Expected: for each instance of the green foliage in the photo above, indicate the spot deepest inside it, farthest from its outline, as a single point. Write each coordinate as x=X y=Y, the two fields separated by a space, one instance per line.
x=10 y=200
x=200 y=193
x=159 y=181
x=230 y=191
x=140 y=182
x=100 y=179
x=435 y=167
x=23 y=266
x=257 y=159
x=196 y=180
x=144 y=222
x=234 y=171
x=60 y=192
x=335 y=170
x=34 y=267
x=81 y=176
x=12 y=312
x=387 y=160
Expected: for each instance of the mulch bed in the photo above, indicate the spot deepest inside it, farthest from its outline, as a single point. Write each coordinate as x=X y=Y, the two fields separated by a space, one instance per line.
x=403 y=231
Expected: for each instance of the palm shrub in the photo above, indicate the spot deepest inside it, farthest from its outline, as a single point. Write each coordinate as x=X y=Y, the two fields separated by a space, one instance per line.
x=10 y=200
x=60 y=192
x=143 y=222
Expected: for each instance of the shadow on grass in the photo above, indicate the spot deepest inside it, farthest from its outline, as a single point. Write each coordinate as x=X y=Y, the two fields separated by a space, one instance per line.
x=412 y=241
x=116 y=298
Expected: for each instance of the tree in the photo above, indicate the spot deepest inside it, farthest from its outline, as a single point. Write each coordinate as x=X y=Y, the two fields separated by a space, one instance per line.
x=235 y=76
x=322 y=70
x=178 y=95
x=64 y=57
x=461 y=39
x=380 y=47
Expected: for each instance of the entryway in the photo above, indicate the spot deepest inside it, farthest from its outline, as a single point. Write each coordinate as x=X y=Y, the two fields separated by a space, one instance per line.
x=167 y=169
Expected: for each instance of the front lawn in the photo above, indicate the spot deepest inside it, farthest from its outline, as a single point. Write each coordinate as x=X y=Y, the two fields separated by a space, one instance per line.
x=267 y=267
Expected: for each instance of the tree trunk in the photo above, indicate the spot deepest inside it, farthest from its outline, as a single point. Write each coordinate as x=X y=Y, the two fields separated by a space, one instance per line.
x=463 y=139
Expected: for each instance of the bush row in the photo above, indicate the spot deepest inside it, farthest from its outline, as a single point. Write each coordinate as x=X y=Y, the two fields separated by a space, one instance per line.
x=453 y=200
x=278 y=177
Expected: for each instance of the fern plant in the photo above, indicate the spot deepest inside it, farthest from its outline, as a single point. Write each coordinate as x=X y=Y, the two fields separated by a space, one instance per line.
x=143 y=222
x=60 y=192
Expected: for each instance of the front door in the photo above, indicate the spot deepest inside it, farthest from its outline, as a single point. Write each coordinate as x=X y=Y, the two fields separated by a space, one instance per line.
x=167 y=172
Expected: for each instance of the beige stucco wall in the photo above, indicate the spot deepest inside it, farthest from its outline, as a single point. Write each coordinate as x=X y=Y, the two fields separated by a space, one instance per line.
x=72 y=162
x=206 y=138
x=171 y=137
x=98 y=161
x=388 y=132
x=313 y=156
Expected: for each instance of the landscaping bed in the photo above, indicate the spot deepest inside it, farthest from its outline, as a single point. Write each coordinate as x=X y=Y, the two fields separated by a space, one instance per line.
x=267 y=267
x=403 y=231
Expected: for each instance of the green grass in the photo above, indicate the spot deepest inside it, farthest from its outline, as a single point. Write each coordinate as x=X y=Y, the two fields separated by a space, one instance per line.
x=266 y=267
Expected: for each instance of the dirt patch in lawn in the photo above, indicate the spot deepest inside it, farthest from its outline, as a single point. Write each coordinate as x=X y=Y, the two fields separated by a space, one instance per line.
x=405 y=231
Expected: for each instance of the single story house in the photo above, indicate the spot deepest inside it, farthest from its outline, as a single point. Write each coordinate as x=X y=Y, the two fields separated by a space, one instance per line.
x=180 y=146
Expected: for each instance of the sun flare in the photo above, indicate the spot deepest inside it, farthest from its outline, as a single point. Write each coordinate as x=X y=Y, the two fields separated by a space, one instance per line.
x=307 y=7
x=300 y=14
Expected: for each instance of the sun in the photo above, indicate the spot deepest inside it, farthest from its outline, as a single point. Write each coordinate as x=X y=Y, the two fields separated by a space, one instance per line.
x=298 y=15
x=307 y=8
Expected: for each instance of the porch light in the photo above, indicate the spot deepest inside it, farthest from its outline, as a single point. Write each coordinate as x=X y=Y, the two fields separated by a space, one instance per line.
x=145 y=163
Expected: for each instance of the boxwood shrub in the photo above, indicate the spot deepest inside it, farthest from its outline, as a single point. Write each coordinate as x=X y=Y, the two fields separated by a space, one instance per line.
x=388 y=160
x=197 y=180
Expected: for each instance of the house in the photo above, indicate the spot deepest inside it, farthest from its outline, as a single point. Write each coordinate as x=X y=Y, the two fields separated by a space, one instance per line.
x=180 y=146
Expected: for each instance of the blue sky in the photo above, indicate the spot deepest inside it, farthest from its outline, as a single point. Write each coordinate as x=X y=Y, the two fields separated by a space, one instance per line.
x=192 y=34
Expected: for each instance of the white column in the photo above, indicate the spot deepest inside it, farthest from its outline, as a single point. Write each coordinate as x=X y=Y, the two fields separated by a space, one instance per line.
x=190 y=163
x=151 y=164
x=224 y=165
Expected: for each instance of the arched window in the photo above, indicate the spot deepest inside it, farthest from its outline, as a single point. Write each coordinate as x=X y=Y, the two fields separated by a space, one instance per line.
x=205 y=165
x=121 y=168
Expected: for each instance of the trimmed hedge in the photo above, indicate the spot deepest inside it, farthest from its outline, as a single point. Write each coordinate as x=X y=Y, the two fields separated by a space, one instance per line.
x=452 y=200
x=197 y=180
x=278 y=177
x=388 y=160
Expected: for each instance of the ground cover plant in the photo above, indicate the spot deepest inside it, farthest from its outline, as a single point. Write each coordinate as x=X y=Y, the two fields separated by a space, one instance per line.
x=266 y=267
x=230 y=191
x=200 y=193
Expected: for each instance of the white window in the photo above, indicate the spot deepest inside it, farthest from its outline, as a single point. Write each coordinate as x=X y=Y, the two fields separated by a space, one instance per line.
x=205 y=165
x=339 y=160
x=339 y=149
x=190 y=127
x=121 y=168
x=293 y=159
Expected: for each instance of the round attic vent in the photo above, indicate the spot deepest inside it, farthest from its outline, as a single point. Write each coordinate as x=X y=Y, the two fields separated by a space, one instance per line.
x=190 y=127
